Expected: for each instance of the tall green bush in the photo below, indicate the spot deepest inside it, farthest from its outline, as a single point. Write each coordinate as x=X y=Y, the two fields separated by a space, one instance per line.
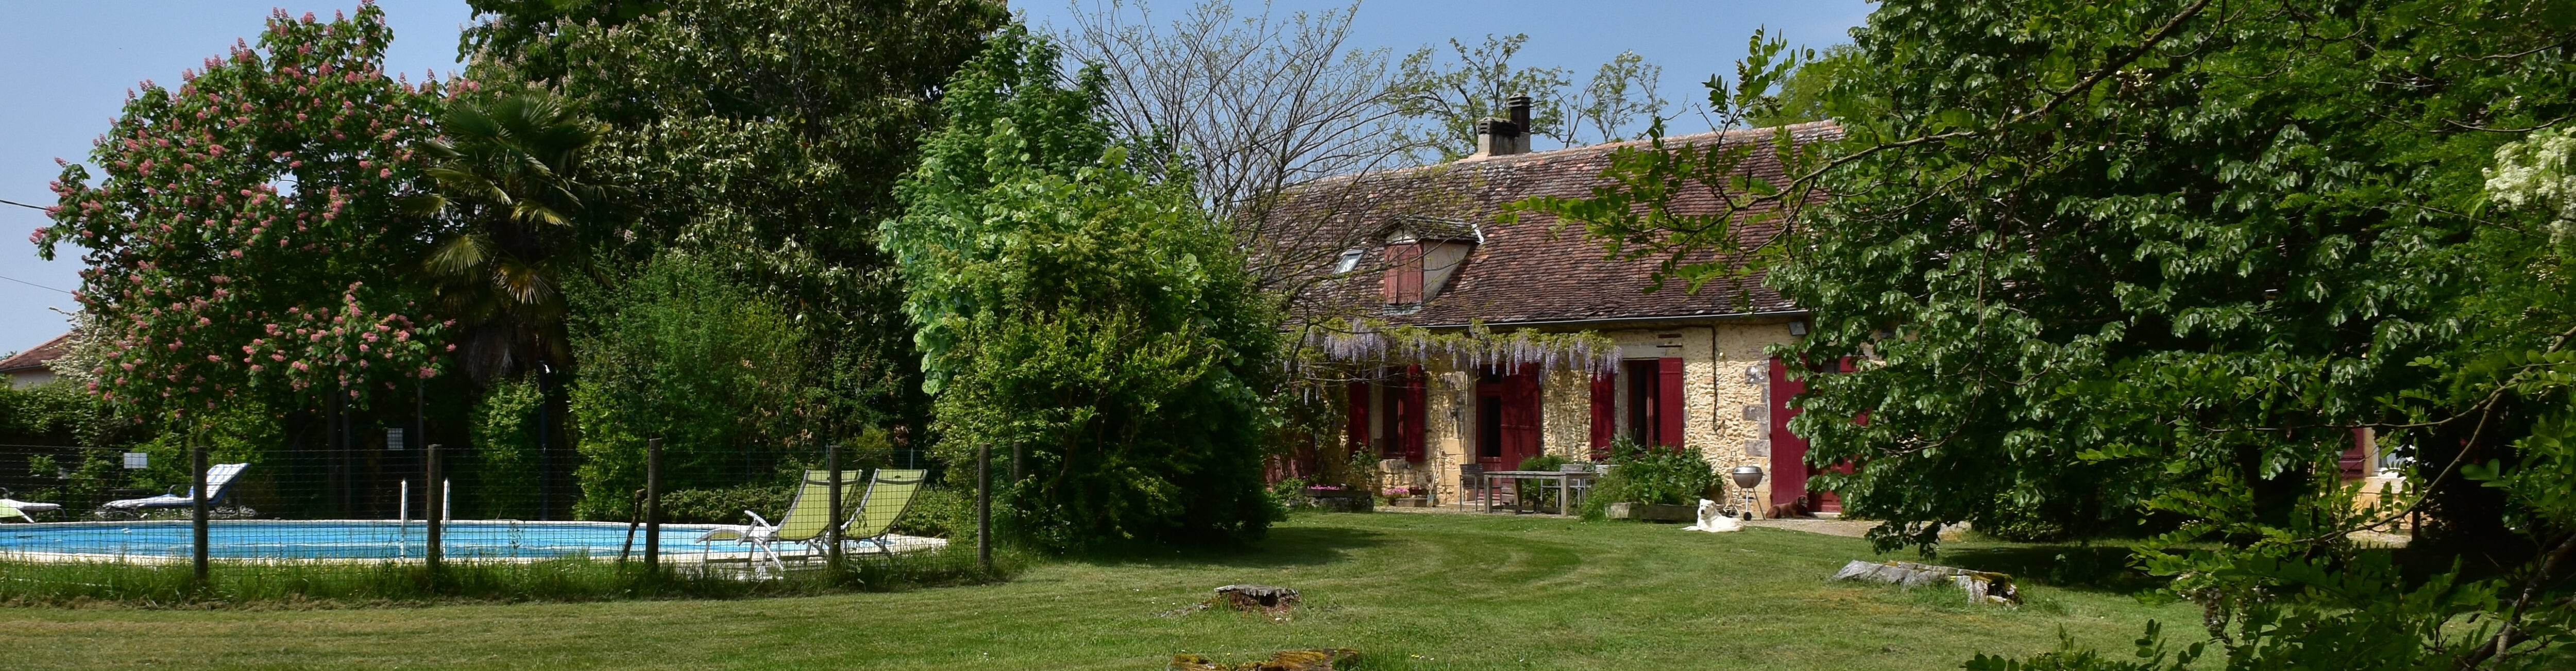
x=505 y=457
x=2086 y=262
x=51 y=414
x=1069 y=306
x=683 y=353
x=58 y=414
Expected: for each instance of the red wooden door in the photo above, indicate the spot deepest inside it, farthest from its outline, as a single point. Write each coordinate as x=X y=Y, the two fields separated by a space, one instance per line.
x=1507 y=417
x=1605 y=414
x=1405 y=411
x=1521 y=437
x=1788 y=451
x=1789 y=468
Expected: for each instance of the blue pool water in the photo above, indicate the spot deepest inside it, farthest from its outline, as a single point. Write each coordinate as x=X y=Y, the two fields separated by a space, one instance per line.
x=343 y=539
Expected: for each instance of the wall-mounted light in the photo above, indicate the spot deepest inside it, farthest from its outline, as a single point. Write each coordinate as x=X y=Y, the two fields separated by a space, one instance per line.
x=1797 y=328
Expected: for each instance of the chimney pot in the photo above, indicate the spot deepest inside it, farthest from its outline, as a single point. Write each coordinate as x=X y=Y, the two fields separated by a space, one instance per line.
x=1505 y=137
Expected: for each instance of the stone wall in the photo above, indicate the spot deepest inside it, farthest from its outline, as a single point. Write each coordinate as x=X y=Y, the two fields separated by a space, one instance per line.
x=1715 y=359
x=1740 y=350
x=1446 y=421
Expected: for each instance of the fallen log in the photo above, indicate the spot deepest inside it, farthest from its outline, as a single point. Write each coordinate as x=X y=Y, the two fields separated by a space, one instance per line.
x=1981 y=586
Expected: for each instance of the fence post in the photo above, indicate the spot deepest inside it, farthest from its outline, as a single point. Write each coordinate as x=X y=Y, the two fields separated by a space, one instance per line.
x=984 y=507
x=653 y=506
x=436 y=510
x=832 y=464
x=545 y=452
x=197 y=505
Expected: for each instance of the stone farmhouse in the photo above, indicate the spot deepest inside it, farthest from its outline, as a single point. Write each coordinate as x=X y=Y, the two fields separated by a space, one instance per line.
x=1428 y=249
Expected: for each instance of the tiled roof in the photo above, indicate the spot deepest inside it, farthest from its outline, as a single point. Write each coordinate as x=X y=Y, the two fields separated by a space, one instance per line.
x=1523 y=271
x=35 y=357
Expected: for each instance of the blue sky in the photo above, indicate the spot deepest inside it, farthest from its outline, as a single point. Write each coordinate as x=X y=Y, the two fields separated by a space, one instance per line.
x=66 y=67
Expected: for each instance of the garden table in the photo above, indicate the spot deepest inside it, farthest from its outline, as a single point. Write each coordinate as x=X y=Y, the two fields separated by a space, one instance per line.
x=1564 y=486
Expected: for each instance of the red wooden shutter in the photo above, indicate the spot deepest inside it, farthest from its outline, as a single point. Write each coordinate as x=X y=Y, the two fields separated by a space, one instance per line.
x=1404 y=273
x=1521 y=435
x=1605 y=414
x=1409 y=415
x=1668 y=401
x=1359 y=420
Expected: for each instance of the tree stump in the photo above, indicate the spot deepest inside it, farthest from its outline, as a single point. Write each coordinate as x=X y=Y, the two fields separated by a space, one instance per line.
x=1263 y=599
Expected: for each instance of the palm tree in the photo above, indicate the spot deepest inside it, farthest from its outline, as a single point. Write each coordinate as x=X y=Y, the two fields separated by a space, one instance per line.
x=508 y=174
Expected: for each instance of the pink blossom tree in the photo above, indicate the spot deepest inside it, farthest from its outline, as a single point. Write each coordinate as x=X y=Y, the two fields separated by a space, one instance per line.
x=245 y=234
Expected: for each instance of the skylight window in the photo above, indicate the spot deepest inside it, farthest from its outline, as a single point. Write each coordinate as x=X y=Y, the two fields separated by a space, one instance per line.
x=1350 y=260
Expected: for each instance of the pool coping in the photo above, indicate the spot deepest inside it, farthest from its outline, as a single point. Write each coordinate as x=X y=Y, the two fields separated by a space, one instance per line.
x=894 y=544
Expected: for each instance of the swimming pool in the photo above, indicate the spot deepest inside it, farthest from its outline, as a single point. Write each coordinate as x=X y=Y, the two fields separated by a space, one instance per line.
x=343 y=539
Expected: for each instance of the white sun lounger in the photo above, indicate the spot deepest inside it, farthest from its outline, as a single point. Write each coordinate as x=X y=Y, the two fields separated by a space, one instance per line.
x=218 y=480
x=10 y=507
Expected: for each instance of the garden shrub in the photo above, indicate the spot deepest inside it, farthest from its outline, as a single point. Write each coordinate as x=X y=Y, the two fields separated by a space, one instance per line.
x=1654 y=475
x=1101 y=321
x=1542 y=462
x=244 y=431
x=505 y=458
x=683 y=352
x=940 y=512
x=724 y=505
x=57 y=414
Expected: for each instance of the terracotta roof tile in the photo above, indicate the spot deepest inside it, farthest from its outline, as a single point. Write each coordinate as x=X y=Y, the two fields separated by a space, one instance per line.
x=36 y=357
x=1523 y=271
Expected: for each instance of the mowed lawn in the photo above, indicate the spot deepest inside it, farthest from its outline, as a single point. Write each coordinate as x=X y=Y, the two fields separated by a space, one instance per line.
x=1410 y=591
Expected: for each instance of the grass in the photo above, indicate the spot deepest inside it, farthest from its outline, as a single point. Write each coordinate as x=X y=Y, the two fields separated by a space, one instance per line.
x=342 y=584
x=1410 y=591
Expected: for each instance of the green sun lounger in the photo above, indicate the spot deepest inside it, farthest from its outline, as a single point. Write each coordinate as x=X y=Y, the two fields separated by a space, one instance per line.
x=808 y=516
x=890 y=493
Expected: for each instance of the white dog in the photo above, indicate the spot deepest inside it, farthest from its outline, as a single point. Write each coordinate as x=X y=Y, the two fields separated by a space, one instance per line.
x=1714 y=519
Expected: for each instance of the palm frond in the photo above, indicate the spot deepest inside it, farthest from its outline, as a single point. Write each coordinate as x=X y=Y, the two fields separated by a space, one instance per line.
x=459 y=256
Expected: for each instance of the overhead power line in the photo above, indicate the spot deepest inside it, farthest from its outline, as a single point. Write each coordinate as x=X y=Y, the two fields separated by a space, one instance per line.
x=4 y=201
x=32 y=284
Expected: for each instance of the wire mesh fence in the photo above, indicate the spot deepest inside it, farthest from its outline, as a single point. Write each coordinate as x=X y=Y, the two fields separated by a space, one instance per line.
x=382 y=500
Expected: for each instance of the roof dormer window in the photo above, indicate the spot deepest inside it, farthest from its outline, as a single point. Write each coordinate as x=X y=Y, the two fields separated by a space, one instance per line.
x=1404 y=273
x=1421 y=255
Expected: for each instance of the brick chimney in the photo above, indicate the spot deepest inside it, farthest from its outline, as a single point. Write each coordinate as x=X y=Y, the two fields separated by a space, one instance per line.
x=1505 y=137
